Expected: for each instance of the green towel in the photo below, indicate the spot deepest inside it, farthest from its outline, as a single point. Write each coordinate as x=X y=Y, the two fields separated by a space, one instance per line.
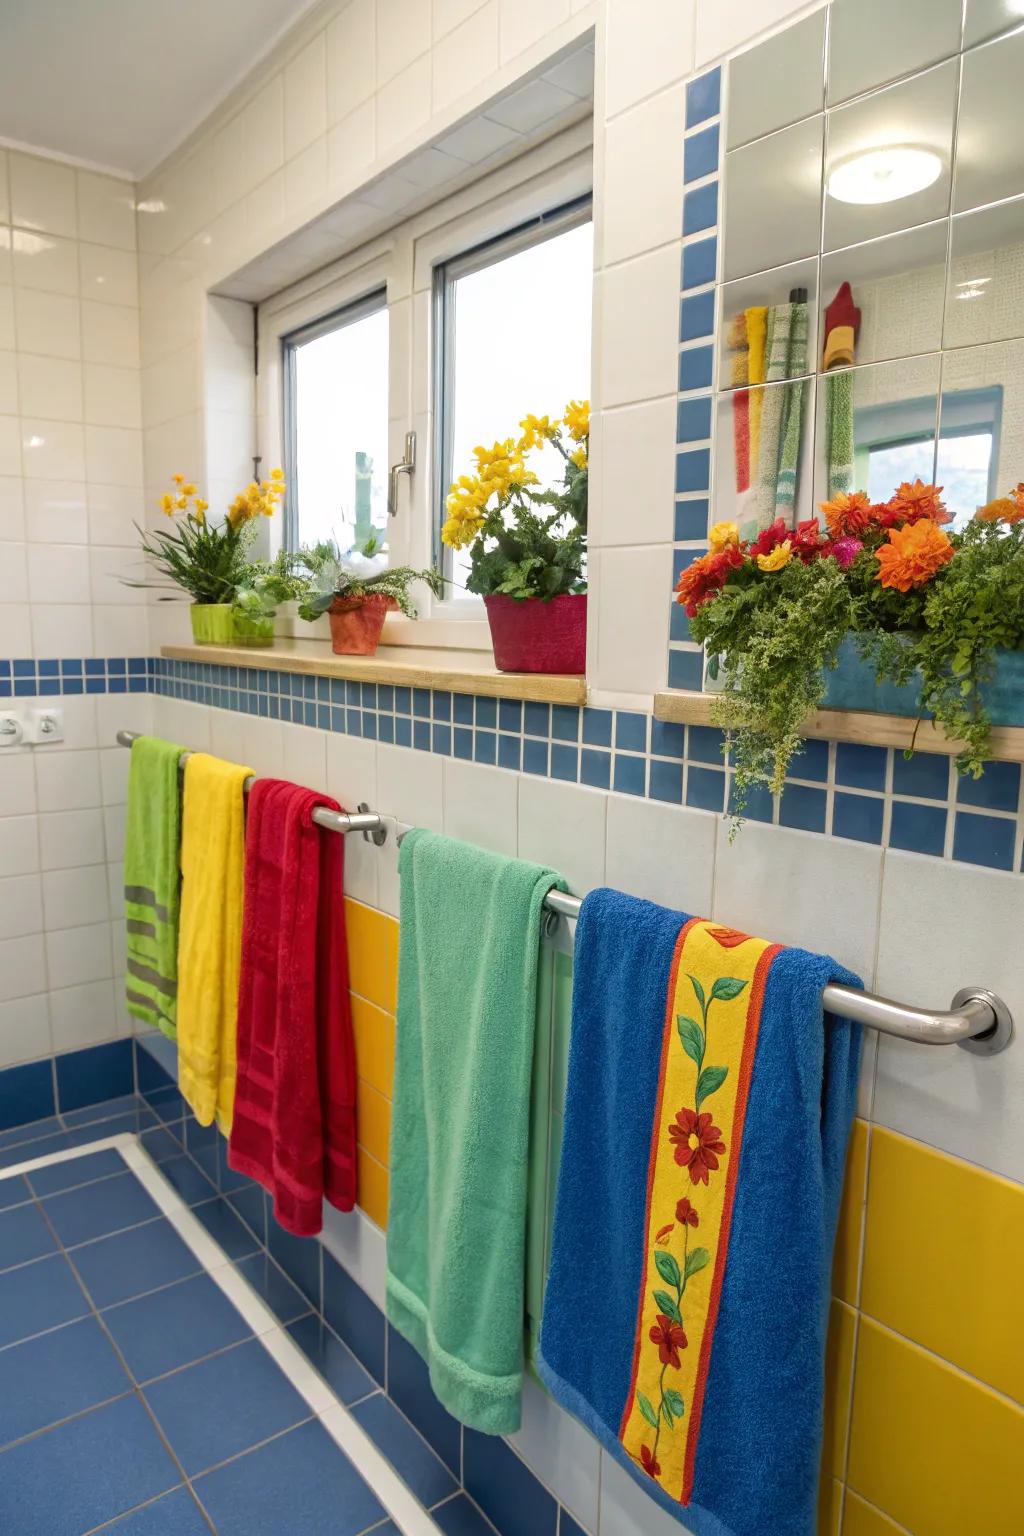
x=793 y=422
x=839 y=445
x=467 y=996
x=151 y=881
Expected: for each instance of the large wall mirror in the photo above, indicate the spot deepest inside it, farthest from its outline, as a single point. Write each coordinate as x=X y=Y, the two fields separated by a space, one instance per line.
x=872 y=301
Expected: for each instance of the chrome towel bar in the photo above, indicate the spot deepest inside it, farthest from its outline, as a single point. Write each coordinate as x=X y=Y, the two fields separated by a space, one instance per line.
x=977 y=1019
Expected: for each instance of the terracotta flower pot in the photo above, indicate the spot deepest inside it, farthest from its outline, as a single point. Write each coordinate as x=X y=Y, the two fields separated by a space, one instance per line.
x=212 y=623
x=356 y=623
x=533 y=635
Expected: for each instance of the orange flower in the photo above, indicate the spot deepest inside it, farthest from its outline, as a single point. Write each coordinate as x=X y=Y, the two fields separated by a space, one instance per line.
x=847 y=514
x=917 y=500
x=913 y=555
x=1005 y=509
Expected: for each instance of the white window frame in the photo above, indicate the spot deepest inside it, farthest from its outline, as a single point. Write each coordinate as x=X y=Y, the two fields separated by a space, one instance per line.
x=402 y=264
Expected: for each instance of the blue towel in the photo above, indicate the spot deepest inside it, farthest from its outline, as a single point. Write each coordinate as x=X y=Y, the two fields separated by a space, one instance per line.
x=707 y=1115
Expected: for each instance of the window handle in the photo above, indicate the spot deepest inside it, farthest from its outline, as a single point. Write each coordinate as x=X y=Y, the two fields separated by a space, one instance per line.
x=406 y=467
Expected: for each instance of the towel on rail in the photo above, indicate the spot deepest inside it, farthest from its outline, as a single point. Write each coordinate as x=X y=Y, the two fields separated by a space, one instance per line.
x=707 y=1114
x=210 y=934
x=467 y=996
x=294 y=1120
x=151 y=882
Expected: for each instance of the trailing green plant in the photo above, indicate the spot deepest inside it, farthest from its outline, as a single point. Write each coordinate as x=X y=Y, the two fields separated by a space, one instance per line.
x=357 y=574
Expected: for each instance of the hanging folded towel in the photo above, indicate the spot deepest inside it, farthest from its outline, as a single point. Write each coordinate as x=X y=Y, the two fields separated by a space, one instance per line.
x=294 y=1118
x=467 y=994
x=210 y=938
x=151 y=882
x=757 y=337
x=793 y=416
x=736 y=339
x=707 y=1115
x=842 y=326
x=778 y=455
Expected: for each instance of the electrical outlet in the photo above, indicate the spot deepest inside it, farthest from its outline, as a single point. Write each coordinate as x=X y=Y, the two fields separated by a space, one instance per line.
x=12 y=728
x=45 y=725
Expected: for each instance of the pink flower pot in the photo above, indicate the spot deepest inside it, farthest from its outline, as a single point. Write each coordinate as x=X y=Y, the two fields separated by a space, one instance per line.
x=531 y=635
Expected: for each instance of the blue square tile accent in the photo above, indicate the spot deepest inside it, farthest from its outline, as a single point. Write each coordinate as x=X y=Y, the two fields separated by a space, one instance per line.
x=697 y=316
x=535 y=756
x=403 y=731
x=860 y=767
x=700 y=154
x=505 y=1489
x=175 y=1514
x=38 y=1296
x=26 y=1093
x=595 y=768
x=403 y=701
x=693 y=469
x=565 y=722
x=386 y=728
x=443 y=740
x=283 y=1298
x=299 y=1482
x=597 y=727
x=565 y=762
x=700 y=262
x=24 y=1235
x=409 y=1454
x=704 y=744
x=50 y=1483
x=509 y=752
x=96 y=1073
x=421 y=702
x=630 y=775
x=225 y=1227
x=630 y=731
x=129 y=1263
x=442 y=705
x=369 y=724
x=695 y=368
x=925 y=775
x=691 y=519
x=703 y=97
x=803 y=808
x=485 y=747
x=23 y=668
x=537 y=719
x=421 y=735
x=246 y=1398
x=487 y=713
x=858 y=817
x=668 y=739
x=462 y=743
x=55 y=1375
x=678 y=623
x=667 y=782
x=686 y=670
x=97 y=1209
x=705 y=788
x=693 y=420
x=175 y=1326
x=354 y=1317
x=759 y=807
x=985 y=840
x=811 y=762
x=700 y=209
x=510 y=715
x=998 y=789
x=192 y=1185
x=918 y=828
x=333 y=1359
x=462 y=708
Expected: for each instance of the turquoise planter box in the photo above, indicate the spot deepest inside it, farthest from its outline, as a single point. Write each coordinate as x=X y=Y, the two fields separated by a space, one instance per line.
x=853 y=686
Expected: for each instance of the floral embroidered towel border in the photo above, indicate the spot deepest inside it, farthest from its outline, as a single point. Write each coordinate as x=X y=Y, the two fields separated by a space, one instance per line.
x=693 y=1236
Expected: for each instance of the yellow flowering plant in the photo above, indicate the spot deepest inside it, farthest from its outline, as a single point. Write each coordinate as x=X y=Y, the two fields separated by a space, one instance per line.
x=525 y=541
x=207 y=560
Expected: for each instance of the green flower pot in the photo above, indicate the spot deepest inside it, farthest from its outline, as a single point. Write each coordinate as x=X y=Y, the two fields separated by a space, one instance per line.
x=246 y=631
x=212 y=623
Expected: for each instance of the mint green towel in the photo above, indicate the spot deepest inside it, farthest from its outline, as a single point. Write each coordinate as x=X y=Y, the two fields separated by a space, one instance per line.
x=152 y=877
x=467 y=995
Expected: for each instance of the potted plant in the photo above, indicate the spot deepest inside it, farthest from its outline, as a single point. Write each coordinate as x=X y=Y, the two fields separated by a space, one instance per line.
x=266 y=585
x=527 y=546
x=884 y=593
x=210 y=561
x=357 y=590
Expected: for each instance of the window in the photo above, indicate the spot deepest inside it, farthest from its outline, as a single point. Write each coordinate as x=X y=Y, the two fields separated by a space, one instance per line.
x=896 y=442
x=513 y=323
x=336 y=426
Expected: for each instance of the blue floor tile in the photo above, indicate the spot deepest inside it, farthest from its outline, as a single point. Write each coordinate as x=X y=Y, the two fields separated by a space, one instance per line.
x=505 y=1489
x=32 y=1131
x=24 y=1235
x=183 y=1175
x=161 y=1145
x=409 y=1386
x=14 y=1191
x=568 y=1526
x=39 y=1296
x=408 y=1452
x=50 y=1484
x=225 y=1405
x=58 y=1142
x=99 y=1209
x=333 y=1359
x=175 y=1514
x=353 y=1316
x=77 y=1170
x=176 y=1326
x=130 y=1263
x=300 y=1483
x=226 y=1228
x=285 y=1300
x=57 y=1375
x=102 y=1111
x=461 y=1518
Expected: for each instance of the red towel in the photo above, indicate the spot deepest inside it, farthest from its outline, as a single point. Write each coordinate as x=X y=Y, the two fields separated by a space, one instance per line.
x=294 y=1122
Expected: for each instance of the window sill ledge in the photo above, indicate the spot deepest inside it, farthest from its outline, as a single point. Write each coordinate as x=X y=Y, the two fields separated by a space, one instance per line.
x=1007 y=742
x=471 y=672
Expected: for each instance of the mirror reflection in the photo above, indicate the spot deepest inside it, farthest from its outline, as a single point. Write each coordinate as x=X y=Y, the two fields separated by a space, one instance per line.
x=875 y=41
x=773 y=199
x=985 y=293
x=778 y=83
x=989 y=157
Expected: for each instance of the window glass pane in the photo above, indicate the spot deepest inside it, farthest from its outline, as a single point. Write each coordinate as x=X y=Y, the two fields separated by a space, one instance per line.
x=340 y=413
x=521 y=345
x=965 y=462
x=889 y=466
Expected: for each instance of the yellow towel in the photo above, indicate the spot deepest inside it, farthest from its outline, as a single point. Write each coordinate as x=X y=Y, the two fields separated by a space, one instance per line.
x=757 y=331
x=210 y=934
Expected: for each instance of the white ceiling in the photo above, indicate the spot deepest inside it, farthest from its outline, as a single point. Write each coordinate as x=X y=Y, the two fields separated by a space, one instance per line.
x=119 y=83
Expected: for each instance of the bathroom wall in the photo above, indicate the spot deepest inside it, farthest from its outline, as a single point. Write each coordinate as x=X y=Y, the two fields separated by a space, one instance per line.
x=70 y=490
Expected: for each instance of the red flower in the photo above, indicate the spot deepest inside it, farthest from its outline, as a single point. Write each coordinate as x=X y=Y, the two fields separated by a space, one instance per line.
x=706 y=577
x=769 y=538
x=670 y=1339
x=650 y=1465
x=686 y=1214
x=807 y=541
x=728 y=937
x=697 y=1142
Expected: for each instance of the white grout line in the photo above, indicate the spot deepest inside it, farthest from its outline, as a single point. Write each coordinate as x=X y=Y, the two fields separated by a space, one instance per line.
x=119 y=1143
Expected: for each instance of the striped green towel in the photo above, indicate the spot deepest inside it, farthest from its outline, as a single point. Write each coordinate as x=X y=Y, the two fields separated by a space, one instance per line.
x=151 y=882
x=839 y=431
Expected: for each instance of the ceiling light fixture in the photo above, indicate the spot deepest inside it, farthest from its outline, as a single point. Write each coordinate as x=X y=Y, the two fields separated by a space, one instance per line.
x=884 y=175
x=151 y=205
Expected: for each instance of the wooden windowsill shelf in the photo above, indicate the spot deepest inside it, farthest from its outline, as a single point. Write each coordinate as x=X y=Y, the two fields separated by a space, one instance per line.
x=403 y=666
